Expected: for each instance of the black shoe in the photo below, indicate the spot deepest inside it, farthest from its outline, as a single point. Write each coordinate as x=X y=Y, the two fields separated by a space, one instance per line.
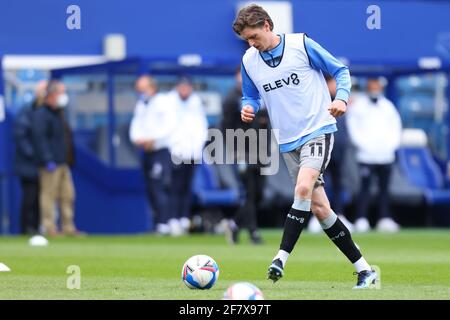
x=255 y=238
x=275 y=271
x=366 y=279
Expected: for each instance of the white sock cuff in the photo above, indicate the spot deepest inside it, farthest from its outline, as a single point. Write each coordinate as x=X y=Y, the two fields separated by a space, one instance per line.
x=302 y=204
x=361 y=265
x=328 y=222
x=282 y=255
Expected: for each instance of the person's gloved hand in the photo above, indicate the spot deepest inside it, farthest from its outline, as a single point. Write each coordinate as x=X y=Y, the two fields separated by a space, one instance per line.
x=51 y=166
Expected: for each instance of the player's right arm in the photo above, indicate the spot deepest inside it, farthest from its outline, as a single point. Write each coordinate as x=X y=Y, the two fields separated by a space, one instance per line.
x=321 y=59
x=250 y=97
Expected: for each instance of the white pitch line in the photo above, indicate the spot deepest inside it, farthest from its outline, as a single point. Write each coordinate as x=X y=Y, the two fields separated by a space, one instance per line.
x=4 y=268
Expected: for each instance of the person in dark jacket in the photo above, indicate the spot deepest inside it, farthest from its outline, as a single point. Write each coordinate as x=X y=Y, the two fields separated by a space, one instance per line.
x=25 y=164
x=50 y=136
x=249 y=176
x=336 y=166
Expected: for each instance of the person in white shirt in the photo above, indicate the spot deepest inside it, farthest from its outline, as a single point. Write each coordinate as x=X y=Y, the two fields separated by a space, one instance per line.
x=152 y=124
x=375 y=130
x=186 y=146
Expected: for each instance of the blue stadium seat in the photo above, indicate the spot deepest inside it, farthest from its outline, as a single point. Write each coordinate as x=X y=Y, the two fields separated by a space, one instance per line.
x=208 y=191
x=420 y=169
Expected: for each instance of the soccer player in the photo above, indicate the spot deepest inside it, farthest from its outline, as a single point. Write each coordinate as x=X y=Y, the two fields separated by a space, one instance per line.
x=286 y=72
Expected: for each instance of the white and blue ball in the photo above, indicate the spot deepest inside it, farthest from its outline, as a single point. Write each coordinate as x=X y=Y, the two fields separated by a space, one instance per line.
x=200 y=272
x=243 y=291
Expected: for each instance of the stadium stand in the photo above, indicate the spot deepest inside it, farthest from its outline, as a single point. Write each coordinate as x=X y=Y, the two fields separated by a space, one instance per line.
x=100 y=115
x=420 y=169
x=208 y=191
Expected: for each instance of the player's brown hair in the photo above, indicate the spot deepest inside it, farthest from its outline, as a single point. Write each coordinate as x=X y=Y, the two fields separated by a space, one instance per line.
x=251 y=16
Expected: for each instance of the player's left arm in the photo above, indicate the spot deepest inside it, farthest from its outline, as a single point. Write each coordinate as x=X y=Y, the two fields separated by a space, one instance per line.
x=321 y=59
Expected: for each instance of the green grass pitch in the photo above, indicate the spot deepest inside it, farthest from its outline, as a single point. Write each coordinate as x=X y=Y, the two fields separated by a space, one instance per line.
x=414 y=264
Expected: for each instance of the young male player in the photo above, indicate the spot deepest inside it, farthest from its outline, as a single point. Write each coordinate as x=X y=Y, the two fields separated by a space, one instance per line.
x=286 y=72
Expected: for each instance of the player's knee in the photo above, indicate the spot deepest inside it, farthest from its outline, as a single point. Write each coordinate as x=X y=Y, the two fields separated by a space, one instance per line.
x=320 y=210
x=302 y=191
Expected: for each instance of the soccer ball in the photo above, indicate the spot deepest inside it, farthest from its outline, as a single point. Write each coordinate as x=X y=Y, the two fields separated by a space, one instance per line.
x=200 y=272
x=243 y=291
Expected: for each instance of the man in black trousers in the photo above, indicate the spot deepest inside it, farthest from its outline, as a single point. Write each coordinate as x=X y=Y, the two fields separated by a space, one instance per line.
x=26 y=166
x=252 y=182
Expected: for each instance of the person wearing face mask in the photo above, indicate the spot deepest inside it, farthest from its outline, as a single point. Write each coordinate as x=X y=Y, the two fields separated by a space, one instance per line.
x=186 y=146
x=375 y=129
x=150 y=129
x=25 y=164
x=51 y=141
